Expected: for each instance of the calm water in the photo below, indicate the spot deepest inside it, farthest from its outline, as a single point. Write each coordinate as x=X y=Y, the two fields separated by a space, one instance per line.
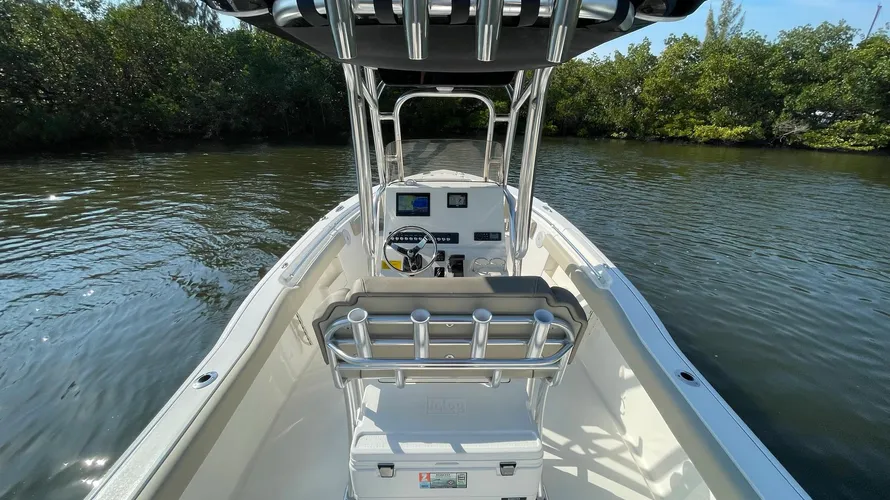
x=771 y=269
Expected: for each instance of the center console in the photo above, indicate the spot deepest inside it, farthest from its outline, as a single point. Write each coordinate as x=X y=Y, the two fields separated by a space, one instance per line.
x=466 y=219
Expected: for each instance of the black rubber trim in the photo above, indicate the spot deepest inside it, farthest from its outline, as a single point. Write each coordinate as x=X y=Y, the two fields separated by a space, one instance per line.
x=528 y=14
x=383 y=11
x=310 y=15
x=460 y=11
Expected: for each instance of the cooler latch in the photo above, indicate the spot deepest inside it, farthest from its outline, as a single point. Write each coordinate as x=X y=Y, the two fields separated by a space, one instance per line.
x=386 y=470
x=508 y=468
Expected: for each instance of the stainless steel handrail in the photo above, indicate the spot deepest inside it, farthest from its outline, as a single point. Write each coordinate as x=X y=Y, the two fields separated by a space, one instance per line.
x=517 y=98
x=489 y=137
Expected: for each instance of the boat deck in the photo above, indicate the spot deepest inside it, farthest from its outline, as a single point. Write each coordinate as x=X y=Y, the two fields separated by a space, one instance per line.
x=305 y=453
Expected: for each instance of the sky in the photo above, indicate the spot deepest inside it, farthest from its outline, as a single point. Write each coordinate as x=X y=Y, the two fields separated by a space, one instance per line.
x=768 y=17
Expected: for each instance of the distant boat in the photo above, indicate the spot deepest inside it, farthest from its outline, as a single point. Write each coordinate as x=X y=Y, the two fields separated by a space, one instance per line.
x=442 y=334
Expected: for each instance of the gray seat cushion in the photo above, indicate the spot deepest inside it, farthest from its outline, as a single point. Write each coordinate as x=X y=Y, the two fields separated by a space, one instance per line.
x=509 y=295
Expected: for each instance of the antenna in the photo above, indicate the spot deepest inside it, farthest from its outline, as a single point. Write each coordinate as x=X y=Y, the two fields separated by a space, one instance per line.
x=873 y=21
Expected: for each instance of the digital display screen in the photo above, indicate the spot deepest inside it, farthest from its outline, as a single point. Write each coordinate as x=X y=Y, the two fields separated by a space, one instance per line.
x=457 y=200
x=413 y=204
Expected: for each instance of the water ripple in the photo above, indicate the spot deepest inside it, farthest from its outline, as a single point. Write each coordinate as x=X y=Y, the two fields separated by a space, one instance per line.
x=769 y=268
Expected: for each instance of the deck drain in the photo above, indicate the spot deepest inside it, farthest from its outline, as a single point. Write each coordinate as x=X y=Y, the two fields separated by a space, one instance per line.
x=204 y=379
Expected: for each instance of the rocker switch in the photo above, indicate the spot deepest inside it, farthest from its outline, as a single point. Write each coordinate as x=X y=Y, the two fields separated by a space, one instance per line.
x=388 y=470
x=508 y=468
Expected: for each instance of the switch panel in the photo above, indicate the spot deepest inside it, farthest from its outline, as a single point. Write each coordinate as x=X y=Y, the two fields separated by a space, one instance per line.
x=486 y=236
x=441 y=238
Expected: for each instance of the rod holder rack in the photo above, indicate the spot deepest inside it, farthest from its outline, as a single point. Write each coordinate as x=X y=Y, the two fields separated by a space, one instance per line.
x=415 y=17
x=472 y=335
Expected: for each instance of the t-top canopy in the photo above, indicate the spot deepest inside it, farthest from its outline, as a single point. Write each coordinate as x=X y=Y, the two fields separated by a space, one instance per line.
x=453 y=36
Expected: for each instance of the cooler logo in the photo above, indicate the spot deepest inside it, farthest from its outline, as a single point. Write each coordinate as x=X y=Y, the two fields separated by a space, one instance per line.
x=445 y=406
x=437 y=480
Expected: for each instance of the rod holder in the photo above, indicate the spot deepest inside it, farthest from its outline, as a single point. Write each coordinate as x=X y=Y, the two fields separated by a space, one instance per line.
x=488 y=28
x=543 y=321
x=342 y=21
x=421 y=320
x=481 y=321
x=358 y=319
x=562 y=28
x=400 y=379
x=416 y=17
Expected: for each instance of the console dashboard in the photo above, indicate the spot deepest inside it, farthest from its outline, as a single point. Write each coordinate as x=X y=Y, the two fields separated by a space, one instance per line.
x=466 y=219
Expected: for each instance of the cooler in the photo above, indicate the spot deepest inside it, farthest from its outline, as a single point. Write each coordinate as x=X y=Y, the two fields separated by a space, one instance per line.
x=445 y=441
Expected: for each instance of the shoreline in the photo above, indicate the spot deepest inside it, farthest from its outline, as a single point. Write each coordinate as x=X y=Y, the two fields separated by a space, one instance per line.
x=186 y=145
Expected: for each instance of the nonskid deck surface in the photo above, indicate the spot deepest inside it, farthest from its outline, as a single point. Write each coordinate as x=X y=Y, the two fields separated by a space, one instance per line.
x=305 y=454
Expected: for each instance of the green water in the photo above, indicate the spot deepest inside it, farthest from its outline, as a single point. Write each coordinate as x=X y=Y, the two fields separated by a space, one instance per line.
x=771 y=269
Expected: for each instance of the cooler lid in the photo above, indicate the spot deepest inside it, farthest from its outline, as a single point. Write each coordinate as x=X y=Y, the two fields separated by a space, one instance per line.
x=400 y=448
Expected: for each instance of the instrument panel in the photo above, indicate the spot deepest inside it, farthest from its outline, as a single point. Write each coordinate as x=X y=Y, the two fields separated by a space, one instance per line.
x=467 y=219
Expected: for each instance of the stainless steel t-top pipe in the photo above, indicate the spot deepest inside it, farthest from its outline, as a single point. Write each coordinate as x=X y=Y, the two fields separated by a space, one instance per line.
x=358 y=319
x=562 y=28
x=417 y=22
x=358 y=121
x=488 y=28
x=481 y=321
x=342 y=22
x=421 y=320
x=533 y=126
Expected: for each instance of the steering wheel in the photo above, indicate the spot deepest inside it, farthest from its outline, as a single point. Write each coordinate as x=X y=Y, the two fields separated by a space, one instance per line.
x=413 y=255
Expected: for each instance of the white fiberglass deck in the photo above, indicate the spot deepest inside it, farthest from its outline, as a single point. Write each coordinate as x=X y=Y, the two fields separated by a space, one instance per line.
x=305 y=452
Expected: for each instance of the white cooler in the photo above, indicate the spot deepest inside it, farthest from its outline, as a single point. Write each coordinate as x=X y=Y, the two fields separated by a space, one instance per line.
x=446 y=441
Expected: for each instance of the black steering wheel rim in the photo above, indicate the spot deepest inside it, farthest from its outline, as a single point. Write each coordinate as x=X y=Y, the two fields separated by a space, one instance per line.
x=413 y=252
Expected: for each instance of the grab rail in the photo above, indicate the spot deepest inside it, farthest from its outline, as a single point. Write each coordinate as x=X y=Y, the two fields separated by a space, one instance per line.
x=489 y=136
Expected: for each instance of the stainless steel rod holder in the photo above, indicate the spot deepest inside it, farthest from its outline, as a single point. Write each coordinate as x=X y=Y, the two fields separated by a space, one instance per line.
x=416 y=17
x=488 y=28
x=358 y=319
x=421 y=320
x=342 y=21
x=400 y=379
x=562 y=29
x=543 y=321
x=481 y=321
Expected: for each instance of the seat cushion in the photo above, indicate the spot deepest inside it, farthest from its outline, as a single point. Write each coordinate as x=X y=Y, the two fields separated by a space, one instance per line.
x=502 y=296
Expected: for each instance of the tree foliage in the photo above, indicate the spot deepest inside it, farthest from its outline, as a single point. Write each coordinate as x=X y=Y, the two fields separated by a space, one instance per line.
x=729 y=22
x=76 y=73
x=814 y=87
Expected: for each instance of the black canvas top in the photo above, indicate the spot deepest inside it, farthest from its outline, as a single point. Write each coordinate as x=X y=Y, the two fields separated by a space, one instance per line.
x=380 y=43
